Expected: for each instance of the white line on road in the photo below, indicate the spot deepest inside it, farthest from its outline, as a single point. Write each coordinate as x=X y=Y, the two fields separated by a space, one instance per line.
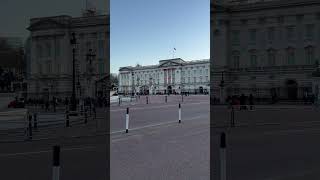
x=157 y=107
x=46 y=151
x=163 y=123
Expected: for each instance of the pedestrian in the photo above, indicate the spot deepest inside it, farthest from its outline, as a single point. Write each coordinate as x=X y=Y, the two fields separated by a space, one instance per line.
x=251 y=98
x=242 y=101
x=47 y=105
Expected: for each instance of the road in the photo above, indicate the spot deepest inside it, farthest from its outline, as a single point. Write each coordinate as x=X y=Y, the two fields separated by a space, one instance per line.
x=269 y=143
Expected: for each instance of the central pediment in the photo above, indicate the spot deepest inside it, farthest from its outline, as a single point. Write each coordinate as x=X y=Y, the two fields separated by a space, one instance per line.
x=46 y=24
x=171 y=62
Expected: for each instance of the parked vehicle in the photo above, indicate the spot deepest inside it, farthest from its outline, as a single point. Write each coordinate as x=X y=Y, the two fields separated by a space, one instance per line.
x=17 y=103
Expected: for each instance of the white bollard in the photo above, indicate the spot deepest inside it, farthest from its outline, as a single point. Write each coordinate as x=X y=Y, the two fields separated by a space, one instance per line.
x=179 y=113
x=56 y=163
x=223 y=165
x=127 y=120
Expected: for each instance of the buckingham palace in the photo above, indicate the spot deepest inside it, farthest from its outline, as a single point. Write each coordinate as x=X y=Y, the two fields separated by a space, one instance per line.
x=61 y=44
x=170 y=76
x=268 y=48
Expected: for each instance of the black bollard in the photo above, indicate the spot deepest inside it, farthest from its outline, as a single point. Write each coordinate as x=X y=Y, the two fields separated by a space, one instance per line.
x=56 y=163
x=127 y=120
x=223 y=167
x=147 y=99
x=166 y=99
x=179 y=113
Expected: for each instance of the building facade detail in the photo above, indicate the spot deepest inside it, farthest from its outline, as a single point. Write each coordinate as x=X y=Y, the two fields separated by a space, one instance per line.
x=51 y=57
x=278 y=46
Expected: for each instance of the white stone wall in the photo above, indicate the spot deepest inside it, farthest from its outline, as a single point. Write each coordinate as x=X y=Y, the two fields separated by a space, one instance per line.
x=160 y=80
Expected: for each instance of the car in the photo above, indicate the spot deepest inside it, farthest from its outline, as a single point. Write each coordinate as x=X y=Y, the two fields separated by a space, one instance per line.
x=16 y=104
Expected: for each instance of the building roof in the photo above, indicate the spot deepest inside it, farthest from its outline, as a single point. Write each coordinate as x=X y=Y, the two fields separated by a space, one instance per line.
x=163 y=63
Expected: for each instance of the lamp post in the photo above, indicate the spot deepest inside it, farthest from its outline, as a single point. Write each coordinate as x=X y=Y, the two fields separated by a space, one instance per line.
x=90 y=57
x=73 y=42
x=221 y=87
x=132 y=88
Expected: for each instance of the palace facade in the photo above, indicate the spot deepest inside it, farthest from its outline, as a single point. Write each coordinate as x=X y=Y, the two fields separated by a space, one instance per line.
x=268 y=48
x=51 y=55
x=170 y=76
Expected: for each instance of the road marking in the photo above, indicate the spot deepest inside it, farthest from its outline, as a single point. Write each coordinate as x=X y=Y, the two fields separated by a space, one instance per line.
x=157 y=107
x=46 y=151
x=159 y=124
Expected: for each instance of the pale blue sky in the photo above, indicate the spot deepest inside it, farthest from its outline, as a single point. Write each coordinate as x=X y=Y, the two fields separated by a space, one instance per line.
x=146 y=31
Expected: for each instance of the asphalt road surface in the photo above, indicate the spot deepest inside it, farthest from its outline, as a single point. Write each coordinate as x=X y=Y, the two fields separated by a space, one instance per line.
x=269 y=143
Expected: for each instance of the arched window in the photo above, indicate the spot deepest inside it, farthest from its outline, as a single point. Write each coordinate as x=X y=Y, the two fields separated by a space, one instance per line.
x=309 y=54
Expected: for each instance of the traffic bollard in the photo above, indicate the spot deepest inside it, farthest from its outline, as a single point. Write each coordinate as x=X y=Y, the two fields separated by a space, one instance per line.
x=179 y=113
x=147 y=100
x=56 y=163
x=67 y=119
x=166 y=99
x=119 y=101
x=35 y=121
x=182 y=98
x=30 y=126
x=127 y=120
x=223 y=166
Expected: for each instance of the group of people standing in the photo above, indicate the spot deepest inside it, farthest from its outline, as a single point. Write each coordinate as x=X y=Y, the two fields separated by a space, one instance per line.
x=241 y=102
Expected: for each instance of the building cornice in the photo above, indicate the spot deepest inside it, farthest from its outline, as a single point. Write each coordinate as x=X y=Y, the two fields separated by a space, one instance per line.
x=271 y=4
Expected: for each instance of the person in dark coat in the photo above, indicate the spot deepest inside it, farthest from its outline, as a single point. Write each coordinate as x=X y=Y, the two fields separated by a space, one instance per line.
x=242 y=101
x=251 y=101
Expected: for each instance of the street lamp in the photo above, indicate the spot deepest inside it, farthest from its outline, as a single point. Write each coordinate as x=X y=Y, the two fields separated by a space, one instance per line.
x=132 y=94
x=90 y=57
x=73 y=42
x=221 y=87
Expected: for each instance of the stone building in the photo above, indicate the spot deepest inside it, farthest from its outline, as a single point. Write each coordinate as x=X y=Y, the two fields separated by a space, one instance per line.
x=169 y=76
x=265 y=47
x=51 y=58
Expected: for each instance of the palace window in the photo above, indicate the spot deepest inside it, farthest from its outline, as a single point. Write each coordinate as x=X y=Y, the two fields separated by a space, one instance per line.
x=253 y=60
x=290 y=33
x=236 y=37
x=48 y=50
x=309 y=31
x=253 y=34
x=271 y=31
x=236 y=59
x=309 y=53
x=290 y=56
x=271 y=57
x=57 y=47
x=39 y=51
